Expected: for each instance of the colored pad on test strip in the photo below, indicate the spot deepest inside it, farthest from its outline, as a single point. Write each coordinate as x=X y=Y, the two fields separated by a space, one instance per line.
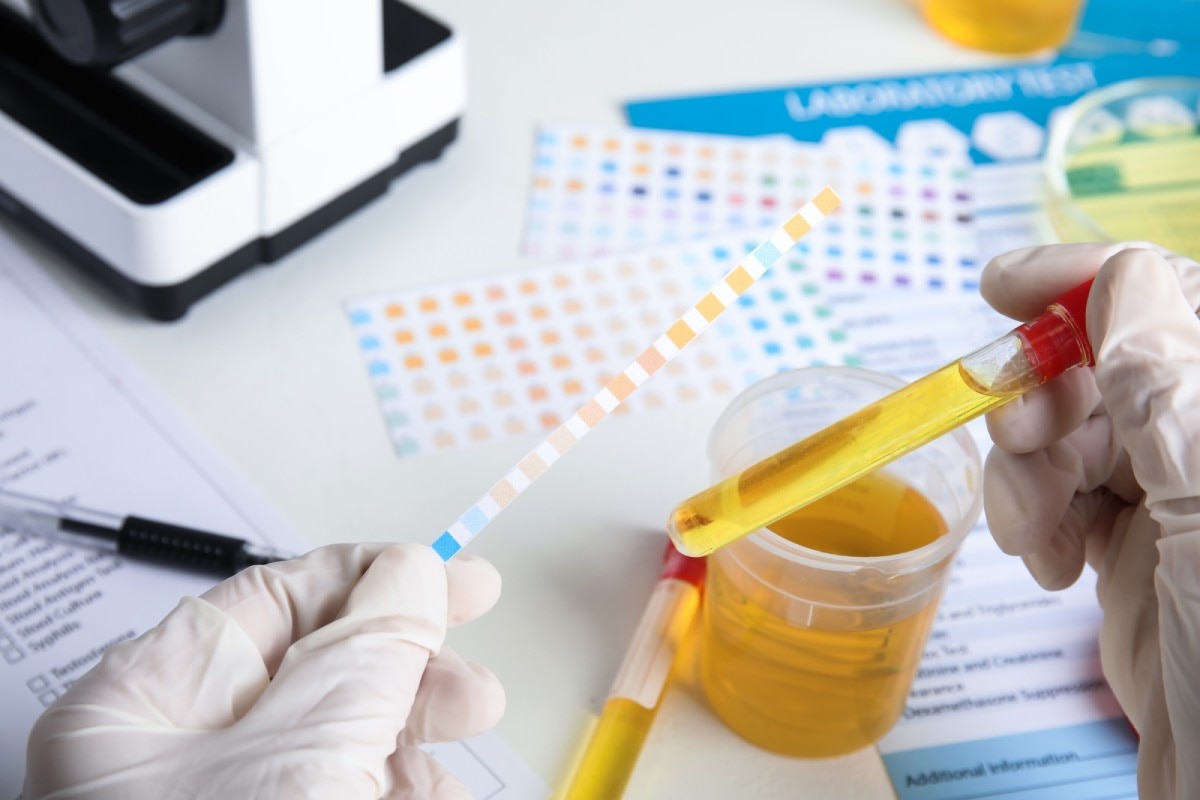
x=666 y=347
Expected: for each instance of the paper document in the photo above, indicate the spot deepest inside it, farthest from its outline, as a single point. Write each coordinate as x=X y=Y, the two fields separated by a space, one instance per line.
x=77 y=424
x=1010 y=699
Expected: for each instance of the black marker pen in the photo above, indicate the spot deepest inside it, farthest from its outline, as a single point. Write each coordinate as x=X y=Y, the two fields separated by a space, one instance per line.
x=134 y=537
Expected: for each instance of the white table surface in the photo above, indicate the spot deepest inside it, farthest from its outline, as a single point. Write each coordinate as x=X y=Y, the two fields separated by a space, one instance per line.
x=267 y=366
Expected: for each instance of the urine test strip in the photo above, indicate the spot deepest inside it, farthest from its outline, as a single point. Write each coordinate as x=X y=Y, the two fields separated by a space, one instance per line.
x=723 y=293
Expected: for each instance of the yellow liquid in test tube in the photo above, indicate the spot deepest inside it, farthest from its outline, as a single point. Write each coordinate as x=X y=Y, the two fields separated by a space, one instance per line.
x=815 y=692
x=830 y=459
x=607 y=762
x=617 y=739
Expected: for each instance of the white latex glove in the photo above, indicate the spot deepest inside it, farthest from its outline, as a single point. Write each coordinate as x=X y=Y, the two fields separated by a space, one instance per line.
x=311 y=678
x=1103 y=464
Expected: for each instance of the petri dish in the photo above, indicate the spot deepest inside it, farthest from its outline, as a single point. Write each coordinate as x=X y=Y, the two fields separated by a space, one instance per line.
x=1122 y=163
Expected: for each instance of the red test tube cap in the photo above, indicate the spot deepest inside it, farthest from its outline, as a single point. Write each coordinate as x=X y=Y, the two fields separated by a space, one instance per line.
x=1057 y=340
x=685 y=568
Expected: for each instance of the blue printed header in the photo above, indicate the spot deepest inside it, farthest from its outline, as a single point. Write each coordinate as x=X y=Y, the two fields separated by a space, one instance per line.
x=1023 y=94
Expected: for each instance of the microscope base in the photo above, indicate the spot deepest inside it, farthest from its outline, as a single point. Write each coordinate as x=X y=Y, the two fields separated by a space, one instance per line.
x=170 y=302
x=164 y=194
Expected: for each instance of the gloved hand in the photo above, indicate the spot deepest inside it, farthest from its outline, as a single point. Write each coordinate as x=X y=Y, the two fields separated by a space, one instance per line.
x=316 y=677
x=1103 y=464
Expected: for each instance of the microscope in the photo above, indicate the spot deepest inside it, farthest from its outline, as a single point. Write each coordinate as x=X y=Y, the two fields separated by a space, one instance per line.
x=167 y=146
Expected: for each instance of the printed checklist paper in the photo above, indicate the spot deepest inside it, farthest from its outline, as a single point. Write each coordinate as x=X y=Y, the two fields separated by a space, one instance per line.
x=1009 y=700
x=62 y=607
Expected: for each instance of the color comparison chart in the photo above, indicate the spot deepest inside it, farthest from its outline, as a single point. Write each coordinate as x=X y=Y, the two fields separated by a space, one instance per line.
x=624 y=229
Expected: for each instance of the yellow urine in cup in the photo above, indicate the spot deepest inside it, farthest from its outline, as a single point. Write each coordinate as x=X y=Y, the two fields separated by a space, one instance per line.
x=809 y=691
x=1003 y=26
x=1136 y=189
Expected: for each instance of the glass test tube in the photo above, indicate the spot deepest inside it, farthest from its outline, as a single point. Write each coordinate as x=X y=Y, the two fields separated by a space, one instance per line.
x=887 y=429
x=612 y=751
